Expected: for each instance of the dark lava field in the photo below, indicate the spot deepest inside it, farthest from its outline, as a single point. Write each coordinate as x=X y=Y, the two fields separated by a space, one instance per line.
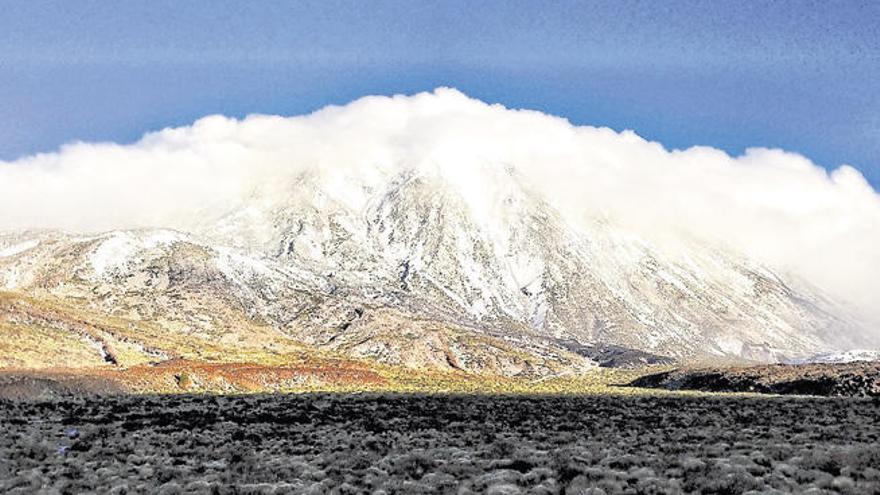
x=323 y=443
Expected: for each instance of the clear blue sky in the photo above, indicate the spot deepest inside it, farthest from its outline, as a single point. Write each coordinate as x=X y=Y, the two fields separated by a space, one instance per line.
x=803 y=76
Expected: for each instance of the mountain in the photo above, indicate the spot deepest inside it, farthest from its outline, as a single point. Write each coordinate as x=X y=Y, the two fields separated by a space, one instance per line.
x=411 y=259
x=413 y=274
x=129 y=298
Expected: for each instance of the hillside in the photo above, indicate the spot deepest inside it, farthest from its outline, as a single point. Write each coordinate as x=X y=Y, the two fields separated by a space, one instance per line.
x=856 y=379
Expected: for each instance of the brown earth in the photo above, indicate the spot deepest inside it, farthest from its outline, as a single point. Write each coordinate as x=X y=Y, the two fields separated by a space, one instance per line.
x=179 y=376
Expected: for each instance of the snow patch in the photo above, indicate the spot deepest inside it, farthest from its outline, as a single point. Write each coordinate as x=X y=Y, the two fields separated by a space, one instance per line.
x=18 y=248
x=729 y=345
x=120 y=249
x=851 y=356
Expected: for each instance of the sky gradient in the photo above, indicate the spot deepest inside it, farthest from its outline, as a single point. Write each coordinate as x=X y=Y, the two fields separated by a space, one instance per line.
x=802 y=76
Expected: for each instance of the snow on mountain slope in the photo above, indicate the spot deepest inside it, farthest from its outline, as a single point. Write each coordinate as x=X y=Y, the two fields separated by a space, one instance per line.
x=21 y=247
x=505 y=265
x=851 y=356
x=514 y=258
x=432 y=236
x=172 y=286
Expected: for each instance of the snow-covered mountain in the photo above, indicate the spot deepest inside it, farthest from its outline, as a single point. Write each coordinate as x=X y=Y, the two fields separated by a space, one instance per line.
x=336 y=264
x=404 y=259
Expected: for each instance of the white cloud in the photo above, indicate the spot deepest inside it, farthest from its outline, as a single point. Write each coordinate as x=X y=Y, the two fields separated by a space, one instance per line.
x=773 y=205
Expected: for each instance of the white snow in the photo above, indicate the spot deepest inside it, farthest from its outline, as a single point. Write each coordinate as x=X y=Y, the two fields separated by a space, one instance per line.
x=729 y=345
x=508 y=255
x=121 y=248
x=851 y=356
x=18 y=248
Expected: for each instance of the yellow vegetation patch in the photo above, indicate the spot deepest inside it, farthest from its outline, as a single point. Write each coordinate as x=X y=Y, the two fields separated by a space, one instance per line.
x=257 y=358
x=32 y=346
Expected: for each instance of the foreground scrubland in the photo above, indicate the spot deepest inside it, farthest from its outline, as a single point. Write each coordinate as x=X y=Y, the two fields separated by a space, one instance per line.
x=391 y=443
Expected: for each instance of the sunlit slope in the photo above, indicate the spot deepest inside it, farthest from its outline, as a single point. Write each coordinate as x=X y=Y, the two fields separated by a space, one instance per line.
x=48 y=347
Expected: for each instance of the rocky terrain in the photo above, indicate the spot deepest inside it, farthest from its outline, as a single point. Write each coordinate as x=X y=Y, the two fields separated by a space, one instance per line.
x=411 y=282
x=855 y=379
x=340 y=443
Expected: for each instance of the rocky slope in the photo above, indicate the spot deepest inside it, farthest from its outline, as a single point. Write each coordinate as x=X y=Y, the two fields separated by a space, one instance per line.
x=129 y=298
x=411 y=275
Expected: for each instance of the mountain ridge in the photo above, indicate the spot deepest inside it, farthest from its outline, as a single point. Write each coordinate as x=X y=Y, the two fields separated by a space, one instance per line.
x=415 y=268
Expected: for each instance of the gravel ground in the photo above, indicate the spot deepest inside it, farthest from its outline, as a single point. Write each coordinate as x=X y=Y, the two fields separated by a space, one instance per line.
x=440 y=444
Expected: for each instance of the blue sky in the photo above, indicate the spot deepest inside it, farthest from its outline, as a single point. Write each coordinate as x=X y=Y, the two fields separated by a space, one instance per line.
x=803 y=76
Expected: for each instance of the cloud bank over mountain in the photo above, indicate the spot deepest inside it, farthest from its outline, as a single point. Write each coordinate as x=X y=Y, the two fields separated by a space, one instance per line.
x=772 y=205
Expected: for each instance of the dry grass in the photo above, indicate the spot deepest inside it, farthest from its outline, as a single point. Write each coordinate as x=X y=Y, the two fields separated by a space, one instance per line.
x=49 y=338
